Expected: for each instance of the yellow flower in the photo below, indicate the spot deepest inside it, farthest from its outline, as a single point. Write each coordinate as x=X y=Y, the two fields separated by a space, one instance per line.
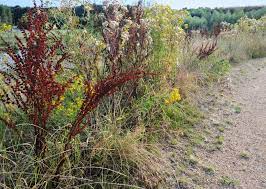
x=5 y=27
x=77 y=85
x=90 y=89
x=167 y=101
x=62 y=98
x=173 y=97
x=53 y=102
x=60 y=107
x=79 y=102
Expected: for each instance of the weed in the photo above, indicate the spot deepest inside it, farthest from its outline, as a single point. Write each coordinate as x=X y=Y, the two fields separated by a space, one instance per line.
x=207 y=49
x=227 y=181
x=221 y=129
x=219 y=140
x=193 y=160
x=174 y=142
x=197 y=138
x=237 y=110
x=221 y=67
x=34 y=67
x=73 y=130
x=228 y=122
x=180 y=169
x=237 y=50
x=214 y=147
x=209 y=170
x=183 y=182
x=244 y=155
x=34 y=87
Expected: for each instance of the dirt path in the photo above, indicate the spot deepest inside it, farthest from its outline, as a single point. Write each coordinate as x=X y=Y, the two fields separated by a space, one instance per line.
x=241 y=160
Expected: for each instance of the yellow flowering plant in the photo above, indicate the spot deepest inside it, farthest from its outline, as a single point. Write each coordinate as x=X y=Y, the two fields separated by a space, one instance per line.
x=5 y=27
x=246 y=24
x=173 y=97
x=167 y=34
x=72 y=101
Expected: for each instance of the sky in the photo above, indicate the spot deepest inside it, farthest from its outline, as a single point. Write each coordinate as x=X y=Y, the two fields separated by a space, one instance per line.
x=178 y=4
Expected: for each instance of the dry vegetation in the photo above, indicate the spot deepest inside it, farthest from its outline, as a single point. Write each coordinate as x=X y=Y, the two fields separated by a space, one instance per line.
x=94 y=106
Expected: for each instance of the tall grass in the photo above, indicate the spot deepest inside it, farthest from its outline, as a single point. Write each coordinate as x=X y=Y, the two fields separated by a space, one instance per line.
x=241 y=46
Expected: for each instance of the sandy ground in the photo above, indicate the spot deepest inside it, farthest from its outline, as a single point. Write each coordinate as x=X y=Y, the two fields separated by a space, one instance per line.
x=242 y=157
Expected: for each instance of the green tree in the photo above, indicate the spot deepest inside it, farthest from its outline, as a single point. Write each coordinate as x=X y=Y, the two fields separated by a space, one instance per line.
x=5 y=14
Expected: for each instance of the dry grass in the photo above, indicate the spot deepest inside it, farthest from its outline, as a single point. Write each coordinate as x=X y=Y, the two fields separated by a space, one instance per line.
x=238 y=47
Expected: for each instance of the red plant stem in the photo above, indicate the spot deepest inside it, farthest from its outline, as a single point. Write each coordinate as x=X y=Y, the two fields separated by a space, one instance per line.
x=34 y=88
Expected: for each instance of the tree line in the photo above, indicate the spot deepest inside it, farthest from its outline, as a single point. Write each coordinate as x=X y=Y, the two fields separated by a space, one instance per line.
x=200 y=18
x=206 y=18
x=5 y=14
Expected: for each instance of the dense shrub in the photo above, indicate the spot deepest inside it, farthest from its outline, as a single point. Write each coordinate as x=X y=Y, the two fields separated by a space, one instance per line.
x=167 y=36
x=34 y=86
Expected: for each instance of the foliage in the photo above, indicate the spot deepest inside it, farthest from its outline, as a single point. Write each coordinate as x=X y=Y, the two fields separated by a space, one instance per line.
x=5 y=27
x=167 y=36
x=227 y=181
x=164 y=112
x=17 y=13
x=237 y=50
x=220 y=68
x=5 y=14
x=246 y=24
x=35 y=68
x=173 y=97
x=119 y=152
x=206 y=18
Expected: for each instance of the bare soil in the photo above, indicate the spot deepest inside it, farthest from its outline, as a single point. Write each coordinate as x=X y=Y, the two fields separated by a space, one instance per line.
x=236 y=148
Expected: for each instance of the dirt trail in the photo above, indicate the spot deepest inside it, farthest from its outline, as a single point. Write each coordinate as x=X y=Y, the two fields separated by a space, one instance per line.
x=241 y=162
